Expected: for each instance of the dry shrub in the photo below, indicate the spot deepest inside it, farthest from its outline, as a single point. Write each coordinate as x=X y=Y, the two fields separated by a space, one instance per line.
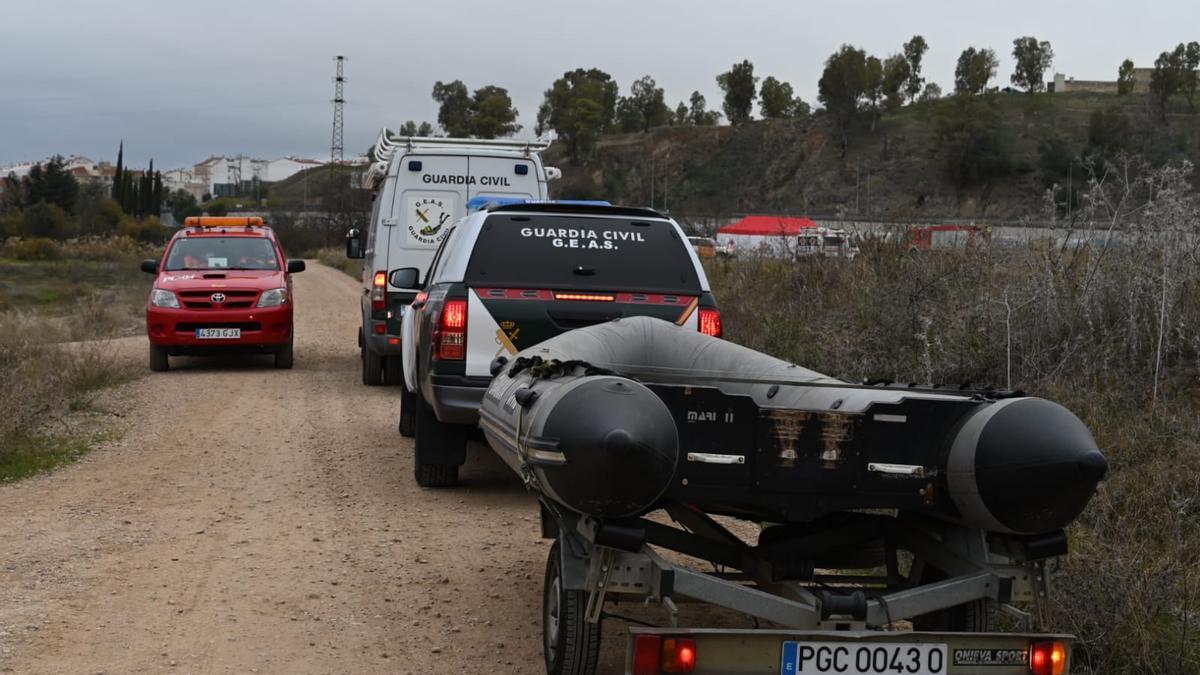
x=1108 y=324
x=37 y=248
x=336 y=258
x=42 y=379
x=116 y=248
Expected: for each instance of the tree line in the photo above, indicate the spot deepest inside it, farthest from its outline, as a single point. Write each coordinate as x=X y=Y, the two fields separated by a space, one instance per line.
x=586 y=103
x=49 y=202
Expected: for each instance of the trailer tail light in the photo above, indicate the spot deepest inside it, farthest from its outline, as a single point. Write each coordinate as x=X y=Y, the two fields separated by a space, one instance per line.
x=654 y=654
x=710 y=322
x=450 y=338
x=647 y=653
x=678 y=655
x=1047 y=658
x=379 y=291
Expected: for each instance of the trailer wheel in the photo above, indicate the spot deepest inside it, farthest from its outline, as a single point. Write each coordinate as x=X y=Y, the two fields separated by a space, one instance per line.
x=977 y=616
x=571 y=644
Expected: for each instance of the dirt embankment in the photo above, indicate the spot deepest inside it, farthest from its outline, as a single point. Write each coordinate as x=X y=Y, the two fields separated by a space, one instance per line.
x=254 y=520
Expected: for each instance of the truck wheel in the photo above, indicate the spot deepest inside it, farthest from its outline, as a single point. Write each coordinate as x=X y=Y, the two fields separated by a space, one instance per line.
x=977 y=616
x=571 y=644
x=408 y=417
x=372 y=368
x=285 y=356
x=393 y=371
x=158 y=359
x=433 y=438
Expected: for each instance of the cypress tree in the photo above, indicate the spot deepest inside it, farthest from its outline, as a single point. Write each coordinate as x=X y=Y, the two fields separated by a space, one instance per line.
x=158 y=193
x=119 y=177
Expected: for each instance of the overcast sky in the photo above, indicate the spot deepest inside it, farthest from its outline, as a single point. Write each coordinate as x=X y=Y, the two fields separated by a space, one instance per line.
x=179 y=81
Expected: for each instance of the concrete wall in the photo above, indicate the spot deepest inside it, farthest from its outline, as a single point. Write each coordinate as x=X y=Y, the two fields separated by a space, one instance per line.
x=1064 y=84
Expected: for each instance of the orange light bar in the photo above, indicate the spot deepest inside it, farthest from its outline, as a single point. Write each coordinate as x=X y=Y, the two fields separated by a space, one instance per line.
x=587 y=297
x=223 y=221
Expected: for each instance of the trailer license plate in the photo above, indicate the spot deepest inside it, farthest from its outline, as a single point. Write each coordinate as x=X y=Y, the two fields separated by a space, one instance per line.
x=849 y=658
x=218 y=333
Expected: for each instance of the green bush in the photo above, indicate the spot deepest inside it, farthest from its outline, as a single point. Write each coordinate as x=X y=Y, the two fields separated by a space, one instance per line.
x=148 y=230
x=109 y=217
x=48 y=220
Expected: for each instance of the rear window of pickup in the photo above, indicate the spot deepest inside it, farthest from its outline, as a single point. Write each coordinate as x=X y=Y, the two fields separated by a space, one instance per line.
x=573 y=252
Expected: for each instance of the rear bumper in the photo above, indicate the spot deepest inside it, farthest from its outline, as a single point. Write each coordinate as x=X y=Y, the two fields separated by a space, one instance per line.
x=456 y=398
x=746 y=651
x=175 y=329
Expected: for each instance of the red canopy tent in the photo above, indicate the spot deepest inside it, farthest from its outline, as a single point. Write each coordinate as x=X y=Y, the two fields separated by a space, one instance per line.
x=778 y=226
x=768 y=234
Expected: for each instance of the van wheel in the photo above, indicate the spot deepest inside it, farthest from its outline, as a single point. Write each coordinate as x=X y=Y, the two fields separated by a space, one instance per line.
x=408 y=416
x=571 y=644
x=393 y=371
x=285 y=356
x=434 y=439
x=158 y=359
x=372 y=368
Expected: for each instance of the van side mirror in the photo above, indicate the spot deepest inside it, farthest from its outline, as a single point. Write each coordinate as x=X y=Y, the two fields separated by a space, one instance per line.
x=150 y=266
x=354 y=247
x=405 y=277
x=295 y=266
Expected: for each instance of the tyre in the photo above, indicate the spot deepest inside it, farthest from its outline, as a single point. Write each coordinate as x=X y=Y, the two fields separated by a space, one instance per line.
x=158 y=359
x=571 y=644
x=285 y=356
x=372 y=368
x=408 y=418
x=434 y=440
x=393 y=371
x=977 y=616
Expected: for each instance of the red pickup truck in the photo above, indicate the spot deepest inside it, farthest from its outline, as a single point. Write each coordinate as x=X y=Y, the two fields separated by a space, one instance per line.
x=223 y=285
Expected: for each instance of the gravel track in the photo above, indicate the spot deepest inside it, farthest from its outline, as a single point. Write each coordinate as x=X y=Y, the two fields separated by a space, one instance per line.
x=254 y=520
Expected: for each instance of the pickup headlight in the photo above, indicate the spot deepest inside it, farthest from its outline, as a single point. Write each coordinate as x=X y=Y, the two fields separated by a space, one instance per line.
x=163 y=298
x=273 y=298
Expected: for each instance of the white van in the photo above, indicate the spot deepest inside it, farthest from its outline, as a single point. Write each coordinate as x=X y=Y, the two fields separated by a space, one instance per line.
x=421 y=187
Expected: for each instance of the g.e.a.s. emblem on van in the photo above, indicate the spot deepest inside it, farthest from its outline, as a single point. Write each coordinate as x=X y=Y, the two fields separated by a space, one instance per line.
x=426 y=222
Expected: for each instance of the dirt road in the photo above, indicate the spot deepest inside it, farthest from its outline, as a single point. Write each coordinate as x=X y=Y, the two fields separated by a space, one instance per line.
x=254 y=520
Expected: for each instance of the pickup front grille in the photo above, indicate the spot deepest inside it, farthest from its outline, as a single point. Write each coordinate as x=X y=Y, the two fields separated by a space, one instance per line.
x=202 y=299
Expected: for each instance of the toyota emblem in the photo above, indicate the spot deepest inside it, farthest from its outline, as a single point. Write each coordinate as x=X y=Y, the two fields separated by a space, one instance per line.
x=218 y=298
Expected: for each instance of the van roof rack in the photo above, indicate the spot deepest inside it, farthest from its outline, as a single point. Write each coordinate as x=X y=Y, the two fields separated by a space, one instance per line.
x=388 y=142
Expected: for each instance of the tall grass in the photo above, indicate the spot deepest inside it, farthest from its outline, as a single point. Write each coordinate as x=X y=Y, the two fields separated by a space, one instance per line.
x=1111 y=330
x=336 y=258
x=53 y=311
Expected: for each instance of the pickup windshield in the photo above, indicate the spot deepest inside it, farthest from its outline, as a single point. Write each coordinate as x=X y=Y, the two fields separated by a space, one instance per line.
x=222 y=253
x=572 y=252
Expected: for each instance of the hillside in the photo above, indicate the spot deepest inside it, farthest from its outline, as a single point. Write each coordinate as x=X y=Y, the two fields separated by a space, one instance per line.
x=315 y=189
x=895 y=170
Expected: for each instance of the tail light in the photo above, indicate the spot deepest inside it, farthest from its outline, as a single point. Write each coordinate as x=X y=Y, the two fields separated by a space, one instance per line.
x=710 y=322
x=654 y=654
x=1047 y=658
x=379 y=291
x=678 y=655
x=450 y=338
x=647 y=650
